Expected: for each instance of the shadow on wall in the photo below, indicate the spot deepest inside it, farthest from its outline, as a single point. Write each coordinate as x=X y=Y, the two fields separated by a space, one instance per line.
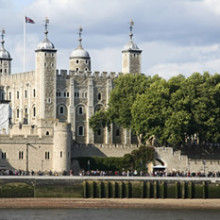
x=85 y=150
x=4 y=164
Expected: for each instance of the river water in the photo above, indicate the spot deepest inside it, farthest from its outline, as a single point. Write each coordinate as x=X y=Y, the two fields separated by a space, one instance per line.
x=108 y=214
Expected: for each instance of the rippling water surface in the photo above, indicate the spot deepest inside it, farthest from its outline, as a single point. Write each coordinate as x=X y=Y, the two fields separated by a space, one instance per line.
x=108 y=214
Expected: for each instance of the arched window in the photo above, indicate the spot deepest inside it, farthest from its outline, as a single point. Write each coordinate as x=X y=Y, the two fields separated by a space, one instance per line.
x=17 y=113
x=58 y=93
x=81 y=131
x=25 y=111
x=99 y=132
x=61 y=110
x=47 y=133
x=34 y=92
x=117 y=132
x=80 y=110
x=64 y=94
x=34 y=111
x=99 y=96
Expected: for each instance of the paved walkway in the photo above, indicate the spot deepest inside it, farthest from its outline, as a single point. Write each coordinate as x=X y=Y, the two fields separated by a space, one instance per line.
x=109 y=203
x=113 y=178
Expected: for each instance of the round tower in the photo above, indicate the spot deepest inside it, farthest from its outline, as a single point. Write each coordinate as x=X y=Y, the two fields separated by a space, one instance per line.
x=62 y=147
x=5 y=58
x=131 y=55
x=79 y=58
x=46 y=78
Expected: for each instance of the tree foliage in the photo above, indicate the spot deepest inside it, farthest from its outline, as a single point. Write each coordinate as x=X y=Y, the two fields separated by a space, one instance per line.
x=137 y=159
x=173 y=110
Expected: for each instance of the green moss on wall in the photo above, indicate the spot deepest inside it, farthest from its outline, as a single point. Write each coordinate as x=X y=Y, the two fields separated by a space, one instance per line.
x=16 y=190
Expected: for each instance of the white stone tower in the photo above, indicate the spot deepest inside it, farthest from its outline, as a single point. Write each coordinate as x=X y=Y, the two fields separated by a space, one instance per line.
x=131 y=56
x=62 y=147
x=79 y=58
x=46 y=78
x=5 y=58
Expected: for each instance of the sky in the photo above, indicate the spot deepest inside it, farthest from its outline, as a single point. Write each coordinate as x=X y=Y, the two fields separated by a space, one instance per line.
x=176 y=36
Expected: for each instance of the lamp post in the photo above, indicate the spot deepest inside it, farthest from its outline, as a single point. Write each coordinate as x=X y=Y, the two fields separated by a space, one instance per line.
x=204 y=163
x=27 y=157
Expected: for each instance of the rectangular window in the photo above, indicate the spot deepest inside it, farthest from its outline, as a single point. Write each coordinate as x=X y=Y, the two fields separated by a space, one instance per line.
x=3 y=155
x=47 y=155
x=21 y=155
x=34 y=93
x=17 y=94
x=61 y=154
x=25 y=93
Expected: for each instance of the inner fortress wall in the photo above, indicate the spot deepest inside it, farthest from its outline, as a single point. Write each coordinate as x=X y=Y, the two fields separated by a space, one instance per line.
x=173 y=160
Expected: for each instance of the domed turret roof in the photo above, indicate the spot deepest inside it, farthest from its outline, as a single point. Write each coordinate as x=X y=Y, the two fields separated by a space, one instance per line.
x=131 y=45
x=46 y=44
x=4 y=54
x=79 y=52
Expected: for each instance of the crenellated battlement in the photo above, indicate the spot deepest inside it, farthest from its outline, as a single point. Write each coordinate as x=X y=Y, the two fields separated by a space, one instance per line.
x=96 y=74
x=19 y=76
x=24 y=139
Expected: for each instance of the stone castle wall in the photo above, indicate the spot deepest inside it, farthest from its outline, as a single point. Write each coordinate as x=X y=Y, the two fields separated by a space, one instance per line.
x=173 y=160
x=26 y=152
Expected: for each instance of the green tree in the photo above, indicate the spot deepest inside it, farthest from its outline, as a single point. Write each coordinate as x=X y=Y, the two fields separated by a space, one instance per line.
x=99 y=119
x=126 y=89
x=149 y=111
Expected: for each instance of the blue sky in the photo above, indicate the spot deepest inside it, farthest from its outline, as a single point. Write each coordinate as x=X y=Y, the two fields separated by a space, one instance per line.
x=176 y=36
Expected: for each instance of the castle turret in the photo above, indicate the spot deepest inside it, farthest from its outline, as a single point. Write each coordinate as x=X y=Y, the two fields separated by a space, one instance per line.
x=46 y=78
x=131 y=55
x=62 y=147
x=79 y=58
x=5 y=58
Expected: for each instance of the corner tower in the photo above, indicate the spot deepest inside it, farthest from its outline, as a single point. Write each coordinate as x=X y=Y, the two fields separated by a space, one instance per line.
x=79 y=58
x=131 y=55
x=5 y=58
x=46 y=78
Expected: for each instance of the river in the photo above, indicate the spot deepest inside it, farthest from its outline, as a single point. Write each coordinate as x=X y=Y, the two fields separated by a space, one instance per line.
x=108 y=214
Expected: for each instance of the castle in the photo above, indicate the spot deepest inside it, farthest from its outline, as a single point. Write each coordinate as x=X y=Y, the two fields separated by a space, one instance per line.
x=50 y=108
x=44 y=114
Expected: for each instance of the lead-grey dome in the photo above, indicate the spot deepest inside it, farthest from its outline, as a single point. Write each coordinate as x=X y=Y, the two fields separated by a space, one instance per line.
x=79 y=52
x=46 y=45
x=4 y=54
x=131 y=46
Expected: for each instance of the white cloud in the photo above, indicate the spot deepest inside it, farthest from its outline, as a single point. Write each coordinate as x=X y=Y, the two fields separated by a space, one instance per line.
x=169 y=70
x=175 y=36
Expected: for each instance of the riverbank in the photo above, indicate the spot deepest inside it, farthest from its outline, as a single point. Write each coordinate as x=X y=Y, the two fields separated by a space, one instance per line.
x=32 y=203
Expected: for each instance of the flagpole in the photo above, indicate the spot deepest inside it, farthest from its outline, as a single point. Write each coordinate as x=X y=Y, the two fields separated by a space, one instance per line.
x=24 y=64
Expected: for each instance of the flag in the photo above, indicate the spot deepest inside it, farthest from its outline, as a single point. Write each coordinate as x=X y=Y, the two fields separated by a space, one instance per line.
x=29 y=20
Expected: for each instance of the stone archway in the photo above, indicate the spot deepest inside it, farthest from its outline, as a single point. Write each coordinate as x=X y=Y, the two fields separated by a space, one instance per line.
x=159 y=165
